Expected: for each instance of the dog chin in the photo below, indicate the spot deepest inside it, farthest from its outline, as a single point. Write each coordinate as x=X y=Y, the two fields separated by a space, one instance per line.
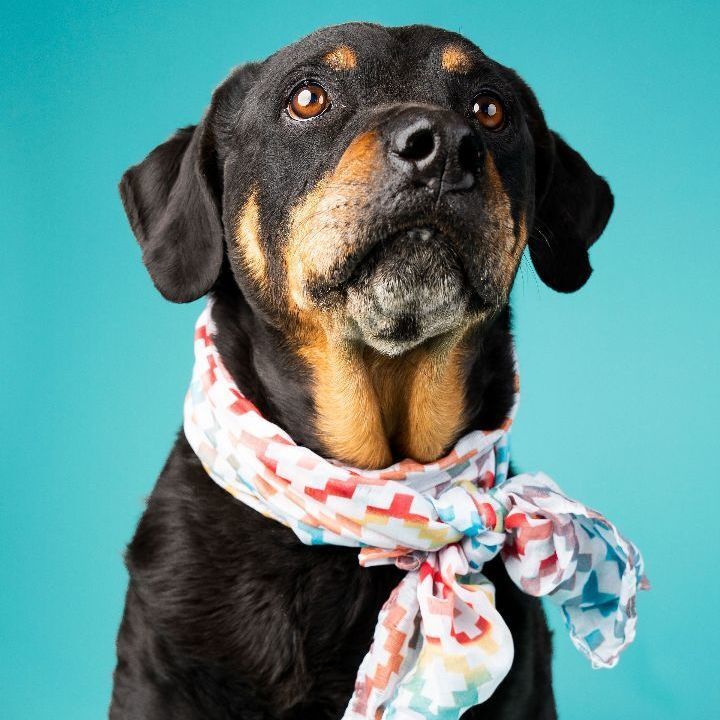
x=410 y=290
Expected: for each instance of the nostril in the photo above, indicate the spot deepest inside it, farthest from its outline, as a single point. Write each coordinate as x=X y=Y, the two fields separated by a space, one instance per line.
x=416 y=145
x=468 y=153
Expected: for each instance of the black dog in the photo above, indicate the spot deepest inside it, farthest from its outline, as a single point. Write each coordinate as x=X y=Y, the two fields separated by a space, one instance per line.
x=357 y=206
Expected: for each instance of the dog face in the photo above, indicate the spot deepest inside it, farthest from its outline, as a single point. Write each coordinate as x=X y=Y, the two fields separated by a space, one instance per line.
x=377 y=184
x=366 y=194
x=386 y=189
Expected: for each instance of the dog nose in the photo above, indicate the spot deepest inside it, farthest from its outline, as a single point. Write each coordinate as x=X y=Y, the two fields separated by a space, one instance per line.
x=435 y=148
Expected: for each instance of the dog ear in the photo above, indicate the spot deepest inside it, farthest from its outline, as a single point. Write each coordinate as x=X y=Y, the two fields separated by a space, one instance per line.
x=173 y=211
x=173 y=198
x=569 y=218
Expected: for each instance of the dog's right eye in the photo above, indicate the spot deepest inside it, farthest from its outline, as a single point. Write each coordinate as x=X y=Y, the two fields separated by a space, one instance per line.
x=308 y=101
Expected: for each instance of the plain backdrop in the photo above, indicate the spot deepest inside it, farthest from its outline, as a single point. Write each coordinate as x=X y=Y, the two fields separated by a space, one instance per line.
x=620 y=391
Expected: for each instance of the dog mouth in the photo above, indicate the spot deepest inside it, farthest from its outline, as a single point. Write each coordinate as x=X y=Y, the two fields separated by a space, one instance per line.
x=409 y=288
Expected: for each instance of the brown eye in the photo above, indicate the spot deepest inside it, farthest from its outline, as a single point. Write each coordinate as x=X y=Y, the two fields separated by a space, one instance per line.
x=307 y=101
x=489 y=111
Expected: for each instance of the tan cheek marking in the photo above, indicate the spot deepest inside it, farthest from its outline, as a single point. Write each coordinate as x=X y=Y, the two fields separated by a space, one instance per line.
x=305 y=230
x=520 y=238
x=321 y=225
x=341 y=58
x=513 y=238
x=454 y=59
x=247 y=240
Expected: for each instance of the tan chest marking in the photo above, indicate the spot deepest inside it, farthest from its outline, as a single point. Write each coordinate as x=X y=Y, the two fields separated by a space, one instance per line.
x=348 y=416
x=421 y=398
x=372 y=409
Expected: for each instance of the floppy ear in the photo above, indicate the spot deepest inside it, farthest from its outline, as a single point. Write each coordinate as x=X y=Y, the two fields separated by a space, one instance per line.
x=173 y=210
x=569 y=218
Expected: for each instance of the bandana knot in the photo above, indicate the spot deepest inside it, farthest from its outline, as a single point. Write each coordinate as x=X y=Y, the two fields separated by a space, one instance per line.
x=439 y=646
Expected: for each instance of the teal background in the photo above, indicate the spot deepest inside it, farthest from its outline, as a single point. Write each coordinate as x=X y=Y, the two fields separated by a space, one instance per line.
x=620 y=392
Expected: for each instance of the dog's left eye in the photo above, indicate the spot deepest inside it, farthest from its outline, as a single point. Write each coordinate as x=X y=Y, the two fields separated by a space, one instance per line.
x=489 y=111
x=308 y=101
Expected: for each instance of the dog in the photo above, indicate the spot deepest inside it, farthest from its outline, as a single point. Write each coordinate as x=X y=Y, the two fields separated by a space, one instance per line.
x=356 y=206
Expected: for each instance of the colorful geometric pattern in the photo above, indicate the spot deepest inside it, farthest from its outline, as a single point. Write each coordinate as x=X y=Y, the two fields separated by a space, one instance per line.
x=439 y=646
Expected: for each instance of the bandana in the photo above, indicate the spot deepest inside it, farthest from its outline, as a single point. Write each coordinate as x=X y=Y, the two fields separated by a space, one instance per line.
x=439 y=646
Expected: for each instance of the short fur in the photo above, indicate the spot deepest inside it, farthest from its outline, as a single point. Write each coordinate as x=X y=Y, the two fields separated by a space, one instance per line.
x=354 y=260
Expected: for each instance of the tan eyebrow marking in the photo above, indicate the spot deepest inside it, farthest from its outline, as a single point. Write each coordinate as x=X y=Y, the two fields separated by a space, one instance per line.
x=455 y=59
x=341 y=58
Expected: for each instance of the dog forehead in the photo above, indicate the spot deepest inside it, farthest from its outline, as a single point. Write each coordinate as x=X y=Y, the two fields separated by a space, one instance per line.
x=368 y=47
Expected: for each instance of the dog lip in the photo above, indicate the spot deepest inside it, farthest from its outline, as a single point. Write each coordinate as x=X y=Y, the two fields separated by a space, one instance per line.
x=354 y=263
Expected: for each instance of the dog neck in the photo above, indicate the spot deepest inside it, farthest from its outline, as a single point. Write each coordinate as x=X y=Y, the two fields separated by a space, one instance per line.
x=351 y=403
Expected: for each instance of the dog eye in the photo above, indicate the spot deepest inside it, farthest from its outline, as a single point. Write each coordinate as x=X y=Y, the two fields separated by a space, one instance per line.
x=308 y=101
x=489 y=111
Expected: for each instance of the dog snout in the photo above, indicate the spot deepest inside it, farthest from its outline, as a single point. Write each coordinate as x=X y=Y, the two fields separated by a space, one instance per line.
x=435 y=149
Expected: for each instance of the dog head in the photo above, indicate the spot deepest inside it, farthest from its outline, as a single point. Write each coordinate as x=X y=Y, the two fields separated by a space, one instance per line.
x=372 y=186
x=379 y=182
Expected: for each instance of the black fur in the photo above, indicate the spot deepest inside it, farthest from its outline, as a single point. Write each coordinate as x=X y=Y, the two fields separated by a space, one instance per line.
x=569 y=220
x=227 y=614
x=175 y=216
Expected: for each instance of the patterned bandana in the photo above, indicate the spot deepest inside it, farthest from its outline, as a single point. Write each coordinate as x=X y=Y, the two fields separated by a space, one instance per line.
x=439 y=646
